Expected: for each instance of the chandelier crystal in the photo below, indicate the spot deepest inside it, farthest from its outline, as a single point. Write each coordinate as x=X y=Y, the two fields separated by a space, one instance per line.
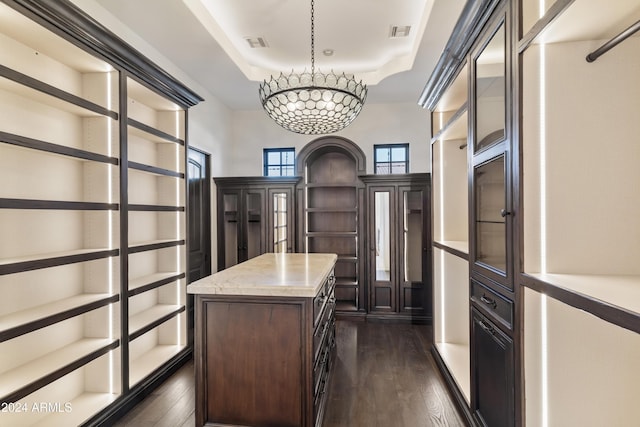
x=313 y=103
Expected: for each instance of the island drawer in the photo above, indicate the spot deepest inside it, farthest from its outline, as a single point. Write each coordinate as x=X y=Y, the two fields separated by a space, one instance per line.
x=319 y=302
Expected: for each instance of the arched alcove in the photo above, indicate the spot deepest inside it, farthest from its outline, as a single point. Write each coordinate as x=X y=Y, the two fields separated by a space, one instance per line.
x=330 y=215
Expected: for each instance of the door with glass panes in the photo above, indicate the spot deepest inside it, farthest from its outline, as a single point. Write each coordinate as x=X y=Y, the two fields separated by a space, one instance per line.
x=398 y=263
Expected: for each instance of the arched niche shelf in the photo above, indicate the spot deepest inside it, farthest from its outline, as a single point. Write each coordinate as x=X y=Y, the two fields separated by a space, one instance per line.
x=330 y=144
x=331 y=214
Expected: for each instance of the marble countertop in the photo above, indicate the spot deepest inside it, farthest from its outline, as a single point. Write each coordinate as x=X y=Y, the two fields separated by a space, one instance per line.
x=287 y=275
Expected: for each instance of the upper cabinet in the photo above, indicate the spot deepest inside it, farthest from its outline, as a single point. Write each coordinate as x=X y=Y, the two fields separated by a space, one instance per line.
x=491 y=200
x=489 y=86
x=255 y=215
x=398 y=261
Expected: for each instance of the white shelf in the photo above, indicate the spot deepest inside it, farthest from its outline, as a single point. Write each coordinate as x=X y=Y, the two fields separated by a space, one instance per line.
x=144 y=365
x=457 y=357
x=22 y=317
x=51 y=255
x=580 y=369
x=45 y=99
x=458 y=245
x=147 y=136
x=620 y=291
x=139 y=282
x=155 y=242
x=456 y=130
x=35 y=37
x=146 y=317
x=42 y=366
x=591 y=20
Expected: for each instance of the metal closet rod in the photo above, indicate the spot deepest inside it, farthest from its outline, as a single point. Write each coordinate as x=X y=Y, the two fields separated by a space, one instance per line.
x=613 y=42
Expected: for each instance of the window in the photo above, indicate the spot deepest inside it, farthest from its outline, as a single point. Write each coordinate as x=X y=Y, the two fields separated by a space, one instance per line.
x=391 y=158
x=279 y=162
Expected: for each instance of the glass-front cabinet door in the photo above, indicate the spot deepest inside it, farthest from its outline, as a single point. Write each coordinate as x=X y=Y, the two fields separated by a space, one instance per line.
x=280 y=235
x=490 y=214
x=491 y=161
x=383 y=267
x=231 y=228
x=254 y=239
x=490 y=91
x=412 y=251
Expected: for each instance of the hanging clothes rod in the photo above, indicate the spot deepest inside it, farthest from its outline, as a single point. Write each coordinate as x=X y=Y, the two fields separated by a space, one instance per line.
x=613 y=42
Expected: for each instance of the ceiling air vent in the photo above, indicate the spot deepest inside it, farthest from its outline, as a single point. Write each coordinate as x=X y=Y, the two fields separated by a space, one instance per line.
x=398 y=31
x=256 y=42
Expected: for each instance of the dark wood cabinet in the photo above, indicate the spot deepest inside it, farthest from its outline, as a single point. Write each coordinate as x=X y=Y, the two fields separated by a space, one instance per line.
x=255 y=215
x=492 y=380
x=399 y=246
x=330 y=214
x=266 y=360
x=491 y=212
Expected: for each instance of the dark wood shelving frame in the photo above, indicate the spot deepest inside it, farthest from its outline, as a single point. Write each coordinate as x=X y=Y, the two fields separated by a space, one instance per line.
x=72 y=24
x=138 y=333
x=154 y=246
x=153 y=131
x=54 y=261
x=53 y=91
x=25 y=328
x=155 y=170
x=31 y=204
x=50 y=148
x=156 y=284
x=58 y=373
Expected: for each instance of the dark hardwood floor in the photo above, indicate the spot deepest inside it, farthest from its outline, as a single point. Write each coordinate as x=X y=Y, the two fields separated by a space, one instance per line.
x=384 y=375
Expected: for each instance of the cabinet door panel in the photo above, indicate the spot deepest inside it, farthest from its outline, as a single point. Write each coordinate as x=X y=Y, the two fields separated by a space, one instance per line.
x=231 y=231
x=412 y=249
x=493 y=396
x=383 y=271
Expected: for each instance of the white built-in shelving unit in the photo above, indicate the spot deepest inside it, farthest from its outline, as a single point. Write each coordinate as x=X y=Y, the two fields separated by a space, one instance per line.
x=450 y=214
x=92 y=226
x=581 y=207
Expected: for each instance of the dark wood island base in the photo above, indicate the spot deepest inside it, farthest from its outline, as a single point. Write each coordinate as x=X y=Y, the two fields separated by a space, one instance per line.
x=265 y=360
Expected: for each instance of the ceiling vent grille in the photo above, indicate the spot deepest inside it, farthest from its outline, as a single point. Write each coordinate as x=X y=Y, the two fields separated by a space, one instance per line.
x=398 y=31
x=256 y=42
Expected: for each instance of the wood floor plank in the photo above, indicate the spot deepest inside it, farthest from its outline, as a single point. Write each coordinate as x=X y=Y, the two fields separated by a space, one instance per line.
x=384 y=375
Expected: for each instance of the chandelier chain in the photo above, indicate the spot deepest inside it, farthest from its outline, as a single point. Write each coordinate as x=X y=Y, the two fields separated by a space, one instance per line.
x=313 y=44
x=313 y=104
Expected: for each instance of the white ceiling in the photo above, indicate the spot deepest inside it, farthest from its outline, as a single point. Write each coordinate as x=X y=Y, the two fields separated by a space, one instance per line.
x=207 y=40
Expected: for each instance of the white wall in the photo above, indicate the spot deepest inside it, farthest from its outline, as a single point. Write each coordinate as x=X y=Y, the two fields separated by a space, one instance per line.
x=377 y=124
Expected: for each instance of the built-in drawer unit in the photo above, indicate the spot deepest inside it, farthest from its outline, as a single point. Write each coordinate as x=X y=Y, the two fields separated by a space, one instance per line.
x=323 y=345
x=492 y=304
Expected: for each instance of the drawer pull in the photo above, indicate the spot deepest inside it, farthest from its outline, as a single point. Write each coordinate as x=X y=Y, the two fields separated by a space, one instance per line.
x=487 y=328
x=489 y=301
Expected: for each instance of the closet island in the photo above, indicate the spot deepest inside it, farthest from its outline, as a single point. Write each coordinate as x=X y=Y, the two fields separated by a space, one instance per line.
x=265 y=341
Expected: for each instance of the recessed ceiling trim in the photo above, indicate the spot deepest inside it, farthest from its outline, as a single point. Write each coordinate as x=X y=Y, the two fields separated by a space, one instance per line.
x=385 y=56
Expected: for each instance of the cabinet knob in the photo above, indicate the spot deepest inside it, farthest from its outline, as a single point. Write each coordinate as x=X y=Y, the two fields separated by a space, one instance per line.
x=504 y=213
